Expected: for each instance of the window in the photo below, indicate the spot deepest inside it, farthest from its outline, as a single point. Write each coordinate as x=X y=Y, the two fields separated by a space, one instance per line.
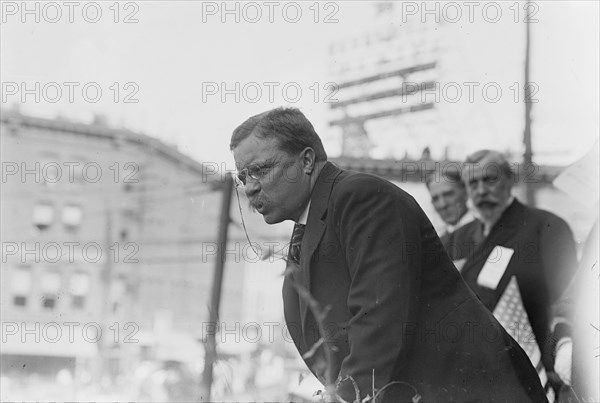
x=20 y=300
x=78 y=301
x=384 y=8
x=50 y=285
x=43 y=215
x=50 y=169
x=79 y=285
x=72 y=216
x=49 y=301
x=21 y=286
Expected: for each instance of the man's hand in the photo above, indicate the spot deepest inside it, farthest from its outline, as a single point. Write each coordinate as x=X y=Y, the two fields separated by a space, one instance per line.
x=563 y=360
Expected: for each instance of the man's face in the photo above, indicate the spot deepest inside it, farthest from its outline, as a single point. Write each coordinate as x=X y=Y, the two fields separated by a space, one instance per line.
x=488 y=187
x=283 y=189
x=449 y=200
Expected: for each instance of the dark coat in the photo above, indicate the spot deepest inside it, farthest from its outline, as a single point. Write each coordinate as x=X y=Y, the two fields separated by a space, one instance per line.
x=399 y=310
x=543 y=263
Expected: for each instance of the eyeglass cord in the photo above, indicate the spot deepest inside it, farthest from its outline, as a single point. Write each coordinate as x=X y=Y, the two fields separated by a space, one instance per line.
x=244 y=224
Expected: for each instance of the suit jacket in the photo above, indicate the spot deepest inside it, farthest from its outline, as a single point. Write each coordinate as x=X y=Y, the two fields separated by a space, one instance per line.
x=399 y=312
x=448 y=238
x=544 y=262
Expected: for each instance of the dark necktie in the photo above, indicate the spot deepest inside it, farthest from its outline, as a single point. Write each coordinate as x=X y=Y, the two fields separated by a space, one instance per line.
x=478 y=236
x=452 y=248
x=296 y=242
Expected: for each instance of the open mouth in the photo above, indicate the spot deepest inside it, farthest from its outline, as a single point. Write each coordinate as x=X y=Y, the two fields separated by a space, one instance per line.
x=257 y=206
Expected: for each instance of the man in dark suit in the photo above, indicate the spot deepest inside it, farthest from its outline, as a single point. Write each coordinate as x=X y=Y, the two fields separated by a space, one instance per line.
x=519 y=259
x=387 y=310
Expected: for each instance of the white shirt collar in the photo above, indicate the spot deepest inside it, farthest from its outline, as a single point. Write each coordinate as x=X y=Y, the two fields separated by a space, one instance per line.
x=304 y=216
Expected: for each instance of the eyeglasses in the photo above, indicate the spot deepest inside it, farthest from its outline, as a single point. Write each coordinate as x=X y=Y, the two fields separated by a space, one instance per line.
x=253 y=173
x=486 y=180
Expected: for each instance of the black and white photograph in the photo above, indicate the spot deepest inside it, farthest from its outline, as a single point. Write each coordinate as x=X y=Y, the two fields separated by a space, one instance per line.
x=300 y=201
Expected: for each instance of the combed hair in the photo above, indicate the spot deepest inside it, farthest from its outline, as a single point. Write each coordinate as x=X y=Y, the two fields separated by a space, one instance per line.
x=495 y=157
x=289 y=126
x=451 y=174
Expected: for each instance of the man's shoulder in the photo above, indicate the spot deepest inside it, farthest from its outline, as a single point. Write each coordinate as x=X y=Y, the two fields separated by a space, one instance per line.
x=467 y=230
x=535 y=214
x=353 y=178
x=361 y=185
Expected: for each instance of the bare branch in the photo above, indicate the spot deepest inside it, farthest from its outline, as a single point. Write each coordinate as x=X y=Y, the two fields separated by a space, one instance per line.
x=313 y=349
x=320 y=315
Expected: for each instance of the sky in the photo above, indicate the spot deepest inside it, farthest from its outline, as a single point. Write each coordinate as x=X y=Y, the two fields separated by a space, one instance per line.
x=188 y=72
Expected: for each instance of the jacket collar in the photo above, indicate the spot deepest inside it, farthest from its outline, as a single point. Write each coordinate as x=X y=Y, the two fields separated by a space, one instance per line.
x=509 y=220
x=321 y=192
x=315 y=226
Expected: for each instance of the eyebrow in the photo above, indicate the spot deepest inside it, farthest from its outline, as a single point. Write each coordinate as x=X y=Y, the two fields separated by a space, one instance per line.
x=484 y=177
x=259 y=164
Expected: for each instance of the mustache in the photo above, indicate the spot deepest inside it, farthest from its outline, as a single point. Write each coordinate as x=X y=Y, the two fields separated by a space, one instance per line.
x=255 y=203
x=486 y=202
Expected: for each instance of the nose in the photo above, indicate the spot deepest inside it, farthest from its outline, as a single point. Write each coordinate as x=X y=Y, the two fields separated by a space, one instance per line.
x=251 y=188
x=480 y=188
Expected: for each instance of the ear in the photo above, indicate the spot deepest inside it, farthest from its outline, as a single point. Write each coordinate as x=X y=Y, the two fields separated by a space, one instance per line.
x=308 y=160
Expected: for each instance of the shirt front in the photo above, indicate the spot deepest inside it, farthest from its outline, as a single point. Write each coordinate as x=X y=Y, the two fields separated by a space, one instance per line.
x=304 y=216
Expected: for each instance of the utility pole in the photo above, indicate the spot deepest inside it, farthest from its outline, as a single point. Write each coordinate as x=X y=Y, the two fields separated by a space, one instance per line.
x=210 y=355
x=528 y=154
x=105 y=278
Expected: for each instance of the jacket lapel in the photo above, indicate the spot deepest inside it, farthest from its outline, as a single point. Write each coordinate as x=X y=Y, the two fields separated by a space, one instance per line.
x=315 y=225
x=504 y=230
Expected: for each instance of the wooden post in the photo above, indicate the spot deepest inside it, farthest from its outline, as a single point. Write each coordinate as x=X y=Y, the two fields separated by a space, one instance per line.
x=210 y=345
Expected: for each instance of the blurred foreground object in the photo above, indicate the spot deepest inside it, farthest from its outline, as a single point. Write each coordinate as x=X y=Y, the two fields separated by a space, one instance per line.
x=576 y=314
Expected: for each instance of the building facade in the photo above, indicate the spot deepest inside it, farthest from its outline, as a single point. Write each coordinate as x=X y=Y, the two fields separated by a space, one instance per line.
x=108 y=251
